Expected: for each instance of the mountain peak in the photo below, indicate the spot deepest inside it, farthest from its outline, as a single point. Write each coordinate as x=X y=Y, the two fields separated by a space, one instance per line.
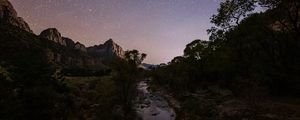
x=51 y=29
x=9 y=15
x=80 y=47
x=54 y=35
x=110 y=40
x=109 y=49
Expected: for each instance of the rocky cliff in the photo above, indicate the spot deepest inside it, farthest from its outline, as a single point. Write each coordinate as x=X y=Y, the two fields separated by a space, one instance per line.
x=109 y=49
x=69 y=42
x=9 y=15
x=60 y=50
x=79 y=46
x=53 y=35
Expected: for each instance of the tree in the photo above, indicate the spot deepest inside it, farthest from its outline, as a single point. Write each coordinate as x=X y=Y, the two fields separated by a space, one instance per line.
x=134 y=56
x=196 y=49
x=231 y=13
x=259 y=46
x=126 y=77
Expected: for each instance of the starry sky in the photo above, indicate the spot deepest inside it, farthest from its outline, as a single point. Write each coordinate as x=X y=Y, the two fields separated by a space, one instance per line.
x=160 y=28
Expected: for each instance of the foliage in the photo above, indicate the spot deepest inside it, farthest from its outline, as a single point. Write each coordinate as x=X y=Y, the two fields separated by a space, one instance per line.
x=231 y=12
x=125 y=77
x=247 y=52
x=254 y=55
x=79 y=71
x=31 y=92
x=135 y=57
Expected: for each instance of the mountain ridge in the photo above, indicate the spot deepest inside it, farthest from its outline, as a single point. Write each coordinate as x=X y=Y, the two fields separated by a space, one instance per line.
x=58 y=49
x=9 y=15
x=108 y=48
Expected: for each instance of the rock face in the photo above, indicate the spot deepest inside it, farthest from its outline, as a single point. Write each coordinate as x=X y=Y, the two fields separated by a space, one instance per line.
x=72 y=45
x=79 y=46
x=65 y=52
x=69 y=42
x=109 y=49
x=53 y=35
x=8 y=14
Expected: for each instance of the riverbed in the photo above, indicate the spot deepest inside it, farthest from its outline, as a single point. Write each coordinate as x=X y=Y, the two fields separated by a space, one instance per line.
x=151 y=105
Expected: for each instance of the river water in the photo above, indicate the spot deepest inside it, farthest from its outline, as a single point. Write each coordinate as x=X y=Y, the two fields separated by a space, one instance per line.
x=151 y=105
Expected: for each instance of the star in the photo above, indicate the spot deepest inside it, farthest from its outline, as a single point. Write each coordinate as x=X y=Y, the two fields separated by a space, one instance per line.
x=161 y=28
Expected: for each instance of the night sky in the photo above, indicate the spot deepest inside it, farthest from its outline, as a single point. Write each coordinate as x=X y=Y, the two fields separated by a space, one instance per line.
x=160 y=28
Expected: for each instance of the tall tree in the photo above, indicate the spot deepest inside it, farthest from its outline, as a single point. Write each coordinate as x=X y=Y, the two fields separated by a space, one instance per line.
x=134 y=56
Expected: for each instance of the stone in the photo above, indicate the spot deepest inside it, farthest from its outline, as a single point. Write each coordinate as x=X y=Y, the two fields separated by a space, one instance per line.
x=154 y=111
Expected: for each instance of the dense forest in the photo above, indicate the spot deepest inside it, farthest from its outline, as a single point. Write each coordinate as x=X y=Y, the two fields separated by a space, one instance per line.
x=259 y=49
x=248 y=70
x=252 y=53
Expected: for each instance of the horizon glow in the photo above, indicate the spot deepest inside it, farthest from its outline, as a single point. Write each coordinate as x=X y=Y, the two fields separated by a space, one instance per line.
x=159 y=28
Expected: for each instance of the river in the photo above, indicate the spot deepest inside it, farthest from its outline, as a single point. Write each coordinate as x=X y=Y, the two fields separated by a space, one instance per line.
x=151 y=105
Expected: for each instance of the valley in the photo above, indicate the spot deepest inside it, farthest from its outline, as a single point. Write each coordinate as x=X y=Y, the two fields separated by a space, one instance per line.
x=247 y=69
